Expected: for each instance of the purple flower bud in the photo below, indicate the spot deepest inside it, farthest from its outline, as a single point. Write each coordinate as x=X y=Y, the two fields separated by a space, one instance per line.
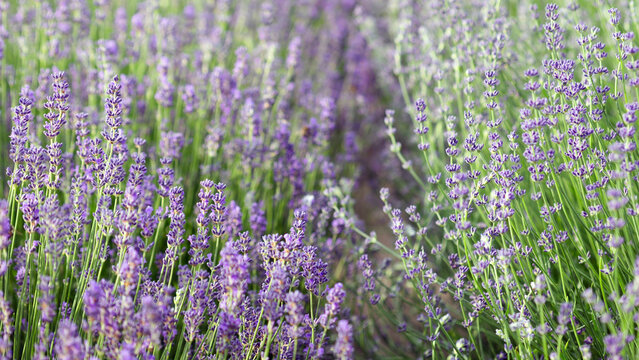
x=58 y=105
x=233 y=278
x=68 y=344
x=295 y=313
x=565 y=313
x=30 y=212
x=343 y=348
x=6 y=230
x=7 y=327
x=258 y=219
x=366 y=267
x=614 y=16
x=334 y=299
x=614 y=344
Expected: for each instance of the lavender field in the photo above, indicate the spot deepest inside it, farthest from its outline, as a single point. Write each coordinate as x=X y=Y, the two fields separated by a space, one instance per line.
x=319 y=179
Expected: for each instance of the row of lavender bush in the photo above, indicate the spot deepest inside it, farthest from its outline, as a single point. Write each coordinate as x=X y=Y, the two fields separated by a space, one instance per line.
x=521 y=240
x=184 y=179
x=167 y=174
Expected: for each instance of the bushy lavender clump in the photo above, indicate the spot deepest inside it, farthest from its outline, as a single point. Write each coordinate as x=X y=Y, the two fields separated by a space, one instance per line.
x=165 y=195
x=125 y=305
x=522 y=174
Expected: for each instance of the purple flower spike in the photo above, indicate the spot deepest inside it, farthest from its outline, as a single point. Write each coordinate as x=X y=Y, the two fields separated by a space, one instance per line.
x=343 y=348
x=68 y=345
